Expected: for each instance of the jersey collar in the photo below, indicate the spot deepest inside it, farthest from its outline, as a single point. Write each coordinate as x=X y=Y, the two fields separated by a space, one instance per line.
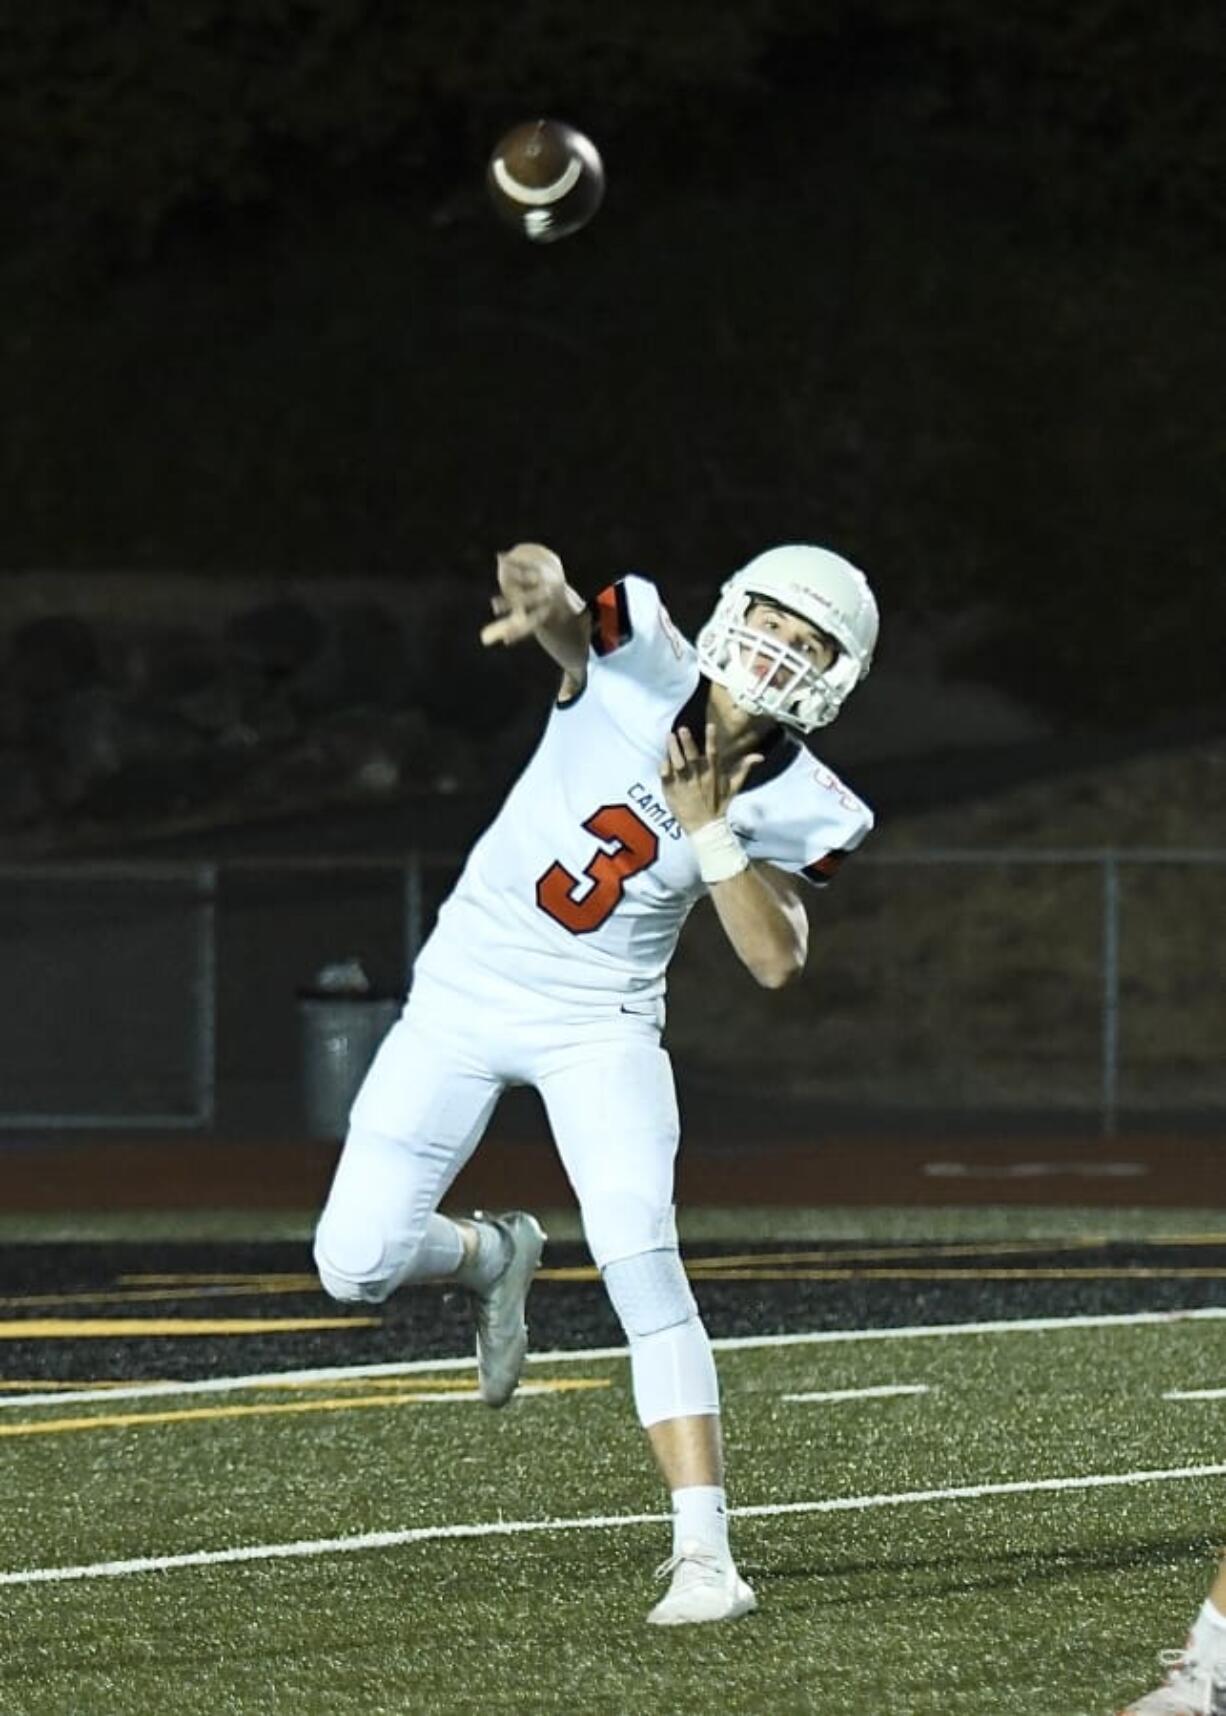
x=778 y=746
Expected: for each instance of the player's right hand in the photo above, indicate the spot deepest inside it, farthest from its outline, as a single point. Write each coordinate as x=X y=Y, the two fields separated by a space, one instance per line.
x=531 y=582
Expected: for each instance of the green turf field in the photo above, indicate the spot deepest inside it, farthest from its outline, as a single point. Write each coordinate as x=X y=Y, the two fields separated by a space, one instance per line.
x=405 y=1550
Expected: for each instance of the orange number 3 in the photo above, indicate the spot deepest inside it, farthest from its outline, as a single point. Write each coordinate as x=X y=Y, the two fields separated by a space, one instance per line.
x=636 y=846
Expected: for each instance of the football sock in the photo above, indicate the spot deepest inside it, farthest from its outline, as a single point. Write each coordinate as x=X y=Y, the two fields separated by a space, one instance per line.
x=1211 y=1616
x=440 y=1253
x=700 y=1511
x=482 y=1269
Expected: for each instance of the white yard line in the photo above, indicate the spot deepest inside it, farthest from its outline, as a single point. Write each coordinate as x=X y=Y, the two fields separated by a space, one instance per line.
x=1195 y=1394
x=883 y=1391
x=259 y=1379
x=571 y=1355
x=521 y=1527
x=1004 y=1326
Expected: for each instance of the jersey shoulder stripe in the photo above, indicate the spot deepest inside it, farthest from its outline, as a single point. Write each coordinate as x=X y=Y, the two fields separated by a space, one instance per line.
x=824 y=869
x=801 y=818
x=611 y=627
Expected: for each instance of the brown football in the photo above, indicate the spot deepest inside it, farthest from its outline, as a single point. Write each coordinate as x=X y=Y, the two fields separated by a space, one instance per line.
x=545 y=179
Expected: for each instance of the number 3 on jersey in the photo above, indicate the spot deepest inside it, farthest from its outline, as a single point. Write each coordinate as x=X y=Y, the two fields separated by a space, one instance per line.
x=635 y=847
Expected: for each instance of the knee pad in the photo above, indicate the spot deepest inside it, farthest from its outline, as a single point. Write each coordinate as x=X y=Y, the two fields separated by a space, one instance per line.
x=649 y=1291
x=349 y=1264
x=360 y=1264
x=672 y=1368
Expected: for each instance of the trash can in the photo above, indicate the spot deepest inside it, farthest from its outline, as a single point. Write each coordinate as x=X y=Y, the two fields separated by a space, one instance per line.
x=341 y=1024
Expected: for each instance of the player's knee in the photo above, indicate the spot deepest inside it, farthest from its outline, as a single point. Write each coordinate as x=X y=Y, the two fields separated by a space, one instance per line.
x=621 y=1223
x=671 y=1365
x=650 y=1292
x=350 y=1262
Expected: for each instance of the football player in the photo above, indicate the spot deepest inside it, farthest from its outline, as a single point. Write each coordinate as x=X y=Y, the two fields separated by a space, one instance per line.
x=1196 y=1680
x=666 y=772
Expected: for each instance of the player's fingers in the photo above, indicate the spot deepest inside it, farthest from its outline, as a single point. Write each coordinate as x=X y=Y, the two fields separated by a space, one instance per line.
x=740 y=773
x=510 y=630
x=689 y=750
x=676 y=755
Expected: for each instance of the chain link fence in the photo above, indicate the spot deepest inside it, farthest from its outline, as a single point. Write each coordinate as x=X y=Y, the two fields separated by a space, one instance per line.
x=109 y=995
x=1044 y=986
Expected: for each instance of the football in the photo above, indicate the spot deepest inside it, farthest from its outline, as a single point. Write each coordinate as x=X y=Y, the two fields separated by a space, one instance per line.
x=545 y=179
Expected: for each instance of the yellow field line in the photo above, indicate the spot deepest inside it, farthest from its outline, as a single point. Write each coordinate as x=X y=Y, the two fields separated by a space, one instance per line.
x=919 y=1253
x=396 y=1383
x=399 y=1383
x=147 y=1295
x=819 y=1254
x=990 y=1248
x=87 y=1328
x=199 y=1414
x=1119 y=1273
x=889 y=1253
x=818 y=1264
x=843 y=1265
x=718 y=1268
x=228 y=1277
x=79 y=1382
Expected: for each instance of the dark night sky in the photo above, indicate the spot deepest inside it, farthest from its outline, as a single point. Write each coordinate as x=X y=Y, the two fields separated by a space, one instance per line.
x=937 y=283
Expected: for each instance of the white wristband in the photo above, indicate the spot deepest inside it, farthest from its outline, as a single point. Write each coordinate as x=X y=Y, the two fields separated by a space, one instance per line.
x=720 y=854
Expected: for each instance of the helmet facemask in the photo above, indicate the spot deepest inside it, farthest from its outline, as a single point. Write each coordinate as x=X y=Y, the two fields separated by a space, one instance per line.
x=764 y=674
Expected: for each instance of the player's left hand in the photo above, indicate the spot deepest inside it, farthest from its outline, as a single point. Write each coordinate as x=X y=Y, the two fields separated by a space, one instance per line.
x=698 y=787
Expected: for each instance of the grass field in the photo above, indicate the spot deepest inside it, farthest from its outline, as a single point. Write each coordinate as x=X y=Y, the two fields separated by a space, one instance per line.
x=963 y=1518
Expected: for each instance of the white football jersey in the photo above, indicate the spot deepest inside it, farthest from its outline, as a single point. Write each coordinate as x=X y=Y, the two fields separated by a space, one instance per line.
x=578 y=889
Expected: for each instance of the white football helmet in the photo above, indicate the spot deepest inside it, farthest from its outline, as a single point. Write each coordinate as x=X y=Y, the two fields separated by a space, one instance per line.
x=764 y=674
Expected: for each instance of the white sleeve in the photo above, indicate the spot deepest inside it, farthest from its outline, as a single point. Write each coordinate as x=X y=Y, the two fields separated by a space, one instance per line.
x=642 y=667
x=806 y=823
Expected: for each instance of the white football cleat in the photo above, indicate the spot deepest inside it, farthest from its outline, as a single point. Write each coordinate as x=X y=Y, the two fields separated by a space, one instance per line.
x=502 y=1333
x=703 y=1588
x=1192 y=1688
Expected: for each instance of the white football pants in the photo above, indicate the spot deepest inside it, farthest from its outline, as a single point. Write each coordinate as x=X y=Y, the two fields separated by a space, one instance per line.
x=607 y=1087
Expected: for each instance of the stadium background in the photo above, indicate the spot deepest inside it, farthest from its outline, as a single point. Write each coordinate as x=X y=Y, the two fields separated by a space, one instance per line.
x=935 y=285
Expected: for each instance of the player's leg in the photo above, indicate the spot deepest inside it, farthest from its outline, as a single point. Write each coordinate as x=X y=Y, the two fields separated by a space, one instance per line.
x=613 y=1113
x=418 y=1117
x=419 y=1114
x=1196 y=1680
x=1217 y=1596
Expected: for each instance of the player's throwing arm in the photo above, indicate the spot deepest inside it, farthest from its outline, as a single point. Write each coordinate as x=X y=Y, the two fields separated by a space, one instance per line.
x=535 y=601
